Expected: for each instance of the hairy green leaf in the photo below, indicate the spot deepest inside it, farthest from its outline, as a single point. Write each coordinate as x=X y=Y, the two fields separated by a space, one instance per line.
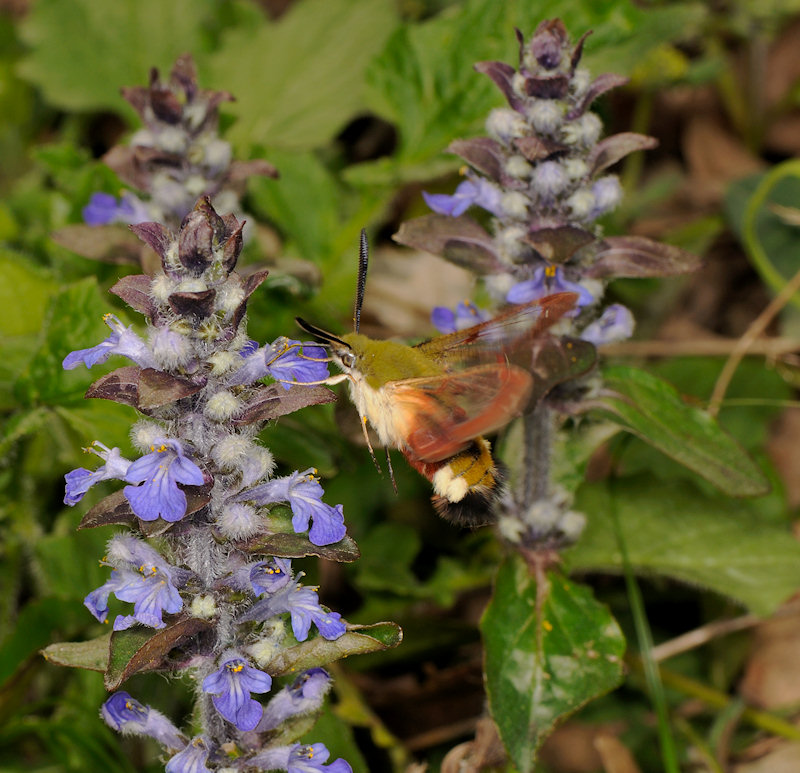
x=676 y=531
x=83 y=52
x=653 y=410
x=299 y=80
x=550 y=648
x=359 y=640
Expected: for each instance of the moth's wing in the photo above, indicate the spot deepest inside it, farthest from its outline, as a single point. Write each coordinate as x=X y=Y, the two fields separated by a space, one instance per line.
x=440 y=415
x=496 y=338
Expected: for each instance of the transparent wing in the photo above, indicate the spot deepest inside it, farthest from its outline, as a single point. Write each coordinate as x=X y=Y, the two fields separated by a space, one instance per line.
x=498 y=338
x=442 y=414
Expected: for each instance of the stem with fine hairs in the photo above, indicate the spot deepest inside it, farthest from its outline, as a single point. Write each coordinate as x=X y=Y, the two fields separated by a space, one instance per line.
x=536 y=461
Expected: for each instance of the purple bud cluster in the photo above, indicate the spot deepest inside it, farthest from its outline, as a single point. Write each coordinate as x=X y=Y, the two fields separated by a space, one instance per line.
x=176 y=157
x=536 y=185
x=541 y=174
x=202 y=501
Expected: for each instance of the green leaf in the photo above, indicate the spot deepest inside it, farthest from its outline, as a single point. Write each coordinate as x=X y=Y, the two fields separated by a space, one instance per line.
x=550 y=648
x=25 y=287
x=424 y=81
x=91 y=655
x=84 y=51
x=299 y=80
x=675 y=530
x=141 y=649
x=771 y=242
x=653 y=410
x=359 y=640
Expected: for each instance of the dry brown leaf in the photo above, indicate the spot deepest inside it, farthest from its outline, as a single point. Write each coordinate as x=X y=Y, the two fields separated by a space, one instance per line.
x=615 y=755
x=784 y=450
x=716 y=157
x=571 y=748
x=404 y=286
x=772 y=674
x=784 y=759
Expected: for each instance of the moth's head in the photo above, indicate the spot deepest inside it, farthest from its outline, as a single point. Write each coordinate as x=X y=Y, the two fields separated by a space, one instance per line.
x=342 y=352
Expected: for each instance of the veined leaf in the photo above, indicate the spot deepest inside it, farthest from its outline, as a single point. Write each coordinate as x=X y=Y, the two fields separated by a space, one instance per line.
x=676 y=531
x=653 y=410
x=299 y=80
x=549 y=650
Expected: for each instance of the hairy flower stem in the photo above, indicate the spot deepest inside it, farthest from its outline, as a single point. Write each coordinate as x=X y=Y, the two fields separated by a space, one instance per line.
x=538 y=432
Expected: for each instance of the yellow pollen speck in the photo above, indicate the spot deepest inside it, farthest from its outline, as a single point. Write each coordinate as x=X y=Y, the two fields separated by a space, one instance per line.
x=106 y=316
x=547 y=625
x=237 y=668
x=550 y=272
x=462 y=170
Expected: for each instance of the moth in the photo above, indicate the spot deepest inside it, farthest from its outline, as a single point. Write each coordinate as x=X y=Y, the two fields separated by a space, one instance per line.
x=435 y=401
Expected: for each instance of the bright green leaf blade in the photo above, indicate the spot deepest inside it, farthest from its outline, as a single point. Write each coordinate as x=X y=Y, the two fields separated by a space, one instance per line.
x=716 y=542
x=299 y=80
x=83 y=51
x=653 y=410
x=92 y=655
x=549 y=651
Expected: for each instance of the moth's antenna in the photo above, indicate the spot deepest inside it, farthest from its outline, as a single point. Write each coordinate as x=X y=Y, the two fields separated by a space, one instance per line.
x=363 y=260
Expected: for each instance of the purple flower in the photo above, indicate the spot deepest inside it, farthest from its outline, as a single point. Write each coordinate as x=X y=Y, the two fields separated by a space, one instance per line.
x=121 y=341
x=192 y=759
x=307 y=759
x=466 y=315
x=298 y=759
x=270 y=576
x=303 y=696
x=286 y=360
x=469 y=192
x=295 y=362
x=615 y=324
x=160 y=472
x=103 y=209
x=303 y=606
x=231 y=686
x=546 y=281
x=129 y=717
x=304 y=495
x=140 y=576
x=81 y=480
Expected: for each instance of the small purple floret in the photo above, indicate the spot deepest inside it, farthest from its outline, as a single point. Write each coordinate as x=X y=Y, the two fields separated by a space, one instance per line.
x=303 y=696
x=159 y=472
x=304 y=608
x=292 y=361
x=546 y=281
x=231 y=686
x=478 y=191
x=127 y=716
x=103 y=209
x=79 y=481
x=299 y=759
x=466 y=315
x=140 y=576
x=121 y=341
x=192 y=759
x=615 y=324
x=304 y=494
x=270 y=576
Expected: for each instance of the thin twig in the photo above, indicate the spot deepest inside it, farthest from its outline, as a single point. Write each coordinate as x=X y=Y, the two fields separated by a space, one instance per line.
x=702 y=635
x=704 y=347
x=756 y=329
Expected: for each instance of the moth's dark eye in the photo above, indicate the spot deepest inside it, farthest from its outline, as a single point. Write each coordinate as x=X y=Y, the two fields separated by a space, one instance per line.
x=348 y=359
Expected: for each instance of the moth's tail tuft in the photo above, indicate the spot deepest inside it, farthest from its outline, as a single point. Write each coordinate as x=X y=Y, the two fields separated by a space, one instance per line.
x=470 y=512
